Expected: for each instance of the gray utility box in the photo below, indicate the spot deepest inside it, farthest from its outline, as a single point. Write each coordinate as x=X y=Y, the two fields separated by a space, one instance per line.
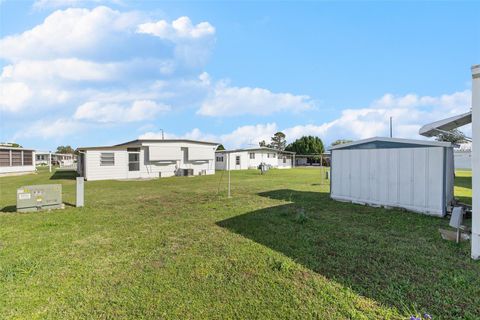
x=39 y=197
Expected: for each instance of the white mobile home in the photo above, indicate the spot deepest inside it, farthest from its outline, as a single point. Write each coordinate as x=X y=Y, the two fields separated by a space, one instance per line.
x=16 y=160
x=147 y=158
x=251 y=158
x=62 y=159
x=411 y=174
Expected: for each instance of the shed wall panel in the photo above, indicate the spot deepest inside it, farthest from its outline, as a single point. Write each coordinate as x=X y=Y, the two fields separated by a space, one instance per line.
x=412 y=178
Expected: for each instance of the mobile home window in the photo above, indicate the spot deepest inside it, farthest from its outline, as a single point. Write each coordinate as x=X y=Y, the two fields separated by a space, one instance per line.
x=284 y=159
x=107 y=159
x=4 y=158
x=27 y=158
x=219 y=158
x=274 y=155
x=252 y=155
x=237 y=160
x=16 y=158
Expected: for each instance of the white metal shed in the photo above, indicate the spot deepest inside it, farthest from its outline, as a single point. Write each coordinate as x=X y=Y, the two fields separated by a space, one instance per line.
x=411 y=174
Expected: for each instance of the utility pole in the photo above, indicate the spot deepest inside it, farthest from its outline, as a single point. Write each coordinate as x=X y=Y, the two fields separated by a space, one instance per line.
x=229 y=194
x=50 y=161
x=391 y=128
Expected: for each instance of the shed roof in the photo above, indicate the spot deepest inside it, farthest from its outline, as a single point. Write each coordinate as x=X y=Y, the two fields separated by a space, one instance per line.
x=390 y=143
x=434 y=128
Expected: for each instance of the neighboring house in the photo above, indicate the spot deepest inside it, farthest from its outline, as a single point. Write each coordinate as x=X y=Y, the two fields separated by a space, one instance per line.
x=147 y=158
x=312 y=160
x=463 y=156
x=463 y=159
x=62 y=159
x=16 y=160
x=251 y=158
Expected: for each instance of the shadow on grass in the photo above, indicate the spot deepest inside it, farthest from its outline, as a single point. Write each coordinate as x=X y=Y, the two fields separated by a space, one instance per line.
x=396 y=258
x=464 y=182
x=9 y=209
x=64 y=175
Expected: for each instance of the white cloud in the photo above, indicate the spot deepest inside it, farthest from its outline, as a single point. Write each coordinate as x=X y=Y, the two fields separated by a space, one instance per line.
x=409 y=112
x=47 y=129
x=178 y=30
x=14 y=96
x=138 y=111
x=235 y=101
x=68 y=32
x=193 y=43
x=248 y=135
x=59 y=69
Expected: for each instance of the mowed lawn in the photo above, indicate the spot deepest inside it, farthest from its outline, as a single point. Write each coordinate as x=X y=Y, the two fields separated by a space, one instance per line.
x=177 y=248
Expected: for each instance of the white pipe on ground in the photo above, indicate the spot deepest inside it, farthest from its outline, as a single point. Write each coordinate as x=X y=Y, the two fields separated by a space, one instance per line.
x=476 y=162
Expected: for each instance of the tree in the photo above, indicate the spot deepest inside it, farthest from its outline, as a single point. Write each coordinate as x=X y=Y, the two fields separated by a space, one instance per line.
x=65 y=149
x=307 y=145
x=455 y=136
x=262 y=143
x=278 y=141
x=220 y=147
x=341 y=141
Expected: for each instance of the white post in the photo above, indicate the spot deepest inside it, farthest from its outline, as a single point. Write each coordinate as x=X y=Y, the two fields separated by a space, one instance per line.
x=50 y=161
x=80 y=192
x=229 y=195
x=476 y=162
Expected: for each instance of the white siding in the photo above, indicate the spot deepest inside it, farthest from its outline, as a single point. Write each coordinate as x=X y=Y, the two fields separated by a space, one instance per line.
x=94 y=171
x=17 y=169
x=411 y=178
x=197 y=153
x=164 y=153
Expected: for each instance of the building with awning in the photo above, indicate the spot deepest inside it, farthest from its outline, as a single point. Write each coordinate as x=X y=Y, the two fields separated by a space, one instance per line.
x=451 y=123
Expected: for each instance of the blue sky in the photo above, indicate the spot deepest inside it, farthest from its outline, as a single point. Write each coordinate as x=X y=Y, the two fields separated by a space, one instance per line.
x=97 y=72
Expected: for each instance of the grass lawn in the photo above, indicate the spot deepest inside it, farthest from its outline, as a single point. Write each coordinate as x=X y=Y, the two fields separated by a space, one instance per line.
x=175 y=248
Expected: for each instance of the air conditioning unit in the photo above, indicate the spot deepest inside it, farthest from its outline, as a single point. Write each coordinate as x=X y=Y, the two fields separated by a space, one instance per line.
x=185 y=172
x=39 y=197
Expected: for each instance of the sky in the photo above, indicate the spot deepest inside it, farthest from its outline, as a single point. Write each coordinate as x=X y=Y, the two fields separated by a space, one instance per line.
x=93 y=72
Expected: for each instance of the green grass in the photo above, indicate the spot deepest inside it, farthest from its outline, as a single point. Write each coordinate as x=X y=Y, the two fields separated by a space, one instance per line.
x=463 y=186
x=175 y=248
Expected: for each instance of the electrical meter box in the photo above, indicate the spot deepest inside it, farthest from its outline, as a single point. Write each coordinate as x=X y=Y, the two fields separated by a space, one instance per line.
x=39 y=197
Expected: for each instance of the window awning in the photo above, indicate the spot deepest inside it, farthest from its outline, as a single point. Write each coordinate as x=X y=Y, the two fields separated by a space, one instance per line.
x=445 y=125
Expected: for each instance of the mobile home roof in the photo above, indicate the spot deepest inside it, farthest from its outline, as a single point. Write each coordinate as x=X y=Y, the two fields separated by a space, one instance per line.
x=254 y=149
x=139 y=141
